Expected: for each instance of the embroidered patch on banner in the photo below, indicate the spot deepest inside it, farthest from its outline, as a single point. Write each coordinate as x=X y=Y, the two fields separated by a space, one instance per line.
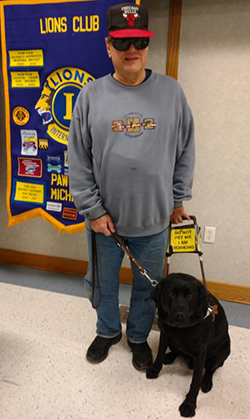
x=69 y=213
x=30 y=167
x=54 y=206
x=43 y=144
x=20 y=115
x=32 y=192
x=29 y=142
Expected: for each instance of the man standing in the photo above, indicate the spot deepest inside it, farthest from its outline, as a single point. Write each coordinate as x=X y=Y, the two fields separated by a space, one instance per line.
x=131 y=161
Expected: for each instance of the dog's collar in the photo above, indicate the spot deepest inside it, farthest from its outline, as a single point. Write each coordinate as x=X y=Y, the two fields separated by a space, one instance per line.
x=211 y=311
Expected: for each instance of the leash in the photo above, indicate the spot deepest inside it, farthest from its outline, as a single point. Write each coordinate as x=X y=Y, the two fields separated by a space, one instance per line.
x=95 y=274
x=143 y=271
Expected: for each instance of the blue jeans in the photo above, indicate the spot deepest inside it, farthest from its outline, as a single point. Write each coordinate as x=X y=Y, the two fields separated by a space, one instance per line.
x=149 y=251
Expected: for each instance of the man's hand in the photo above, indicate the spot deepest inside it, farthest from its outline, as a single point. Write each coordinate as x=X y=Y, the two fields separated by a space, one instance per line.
x=177 y=214
x=103 y=225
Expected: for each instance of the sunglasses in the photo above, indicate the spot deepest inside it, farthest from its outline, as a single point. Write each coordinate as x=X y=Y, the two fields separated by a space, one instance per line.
x=123 y=44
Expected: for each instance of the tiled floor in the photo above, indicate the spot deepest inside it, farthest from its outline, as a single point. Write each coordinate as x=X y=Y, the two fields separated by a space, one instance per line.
x=44 y=373
x=237 y=314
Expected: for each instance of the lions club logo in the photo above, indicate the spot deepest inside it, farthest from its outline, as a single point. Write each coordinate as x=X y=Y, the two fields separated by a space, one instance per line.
x=57 y=100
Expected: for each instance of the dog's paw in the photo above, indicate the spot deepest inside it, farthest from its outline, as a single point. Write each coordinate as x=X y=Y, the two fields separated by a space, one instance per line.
x=187 y=409
x=207 y=383
x=151 y=373
x=169 y=358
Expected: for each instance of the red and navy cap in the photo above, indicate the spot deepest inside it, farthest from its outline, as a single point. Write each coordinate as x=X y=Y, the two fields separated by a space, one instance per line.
x=128 y=20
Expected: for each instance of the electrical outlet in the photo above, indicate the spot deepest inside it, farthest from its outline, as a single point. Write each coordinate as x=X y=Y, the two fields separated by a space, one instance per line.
x=209 y=234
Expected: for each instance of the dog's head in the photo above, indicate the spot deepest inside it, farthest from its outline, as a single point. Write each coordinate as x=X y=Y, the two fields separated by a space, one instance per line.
x=181 y=300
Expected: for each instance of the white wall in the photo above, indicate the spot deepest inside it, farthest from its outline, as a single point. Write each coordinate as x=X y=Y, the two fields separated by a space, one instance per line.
x=214 y=73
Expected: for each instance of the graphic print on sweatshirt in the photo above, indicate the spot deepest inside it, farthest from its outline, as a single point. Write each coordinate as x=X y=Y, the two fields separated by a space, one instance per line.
x=133 y=124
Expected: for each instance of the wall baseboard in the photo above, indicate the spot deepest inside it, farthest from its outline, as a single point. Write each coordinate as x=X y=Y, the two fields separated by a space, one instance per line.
x=43 y=262
x=227 y=292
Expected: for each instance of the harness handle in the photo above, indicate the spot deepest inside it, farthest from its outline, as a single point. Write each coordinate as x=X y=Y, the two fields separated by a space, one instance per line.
x=213 y=308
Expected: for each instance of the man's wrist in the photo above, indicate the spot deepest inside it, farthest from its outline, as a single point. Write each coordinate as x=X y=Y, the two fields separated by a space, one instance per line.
x=178 y=204
x=96 y=218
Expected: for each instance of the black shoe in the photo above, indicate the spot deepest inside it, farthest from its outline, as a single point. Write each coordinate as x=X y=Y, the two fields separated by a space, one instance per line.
x=142 y=355
x=99 y=348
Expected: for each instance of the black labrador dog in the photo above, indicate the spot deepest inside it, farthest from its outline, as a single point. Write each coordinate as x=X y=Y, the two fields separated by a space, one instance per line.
x=189 y=329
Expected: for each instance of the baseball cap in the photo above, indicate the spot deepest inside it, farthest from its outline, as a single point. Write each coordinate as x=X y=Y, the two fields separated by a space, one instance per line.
x=128 y=20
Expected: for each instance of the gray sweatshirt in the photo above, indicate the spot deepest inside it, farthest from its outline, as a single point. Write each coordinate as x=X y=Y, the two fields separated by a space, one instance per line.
x=131 y=153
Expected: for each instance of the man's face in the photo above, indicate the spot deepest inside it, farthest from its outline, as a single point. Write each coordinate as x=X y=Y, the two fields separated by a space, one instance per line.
x=128 y=63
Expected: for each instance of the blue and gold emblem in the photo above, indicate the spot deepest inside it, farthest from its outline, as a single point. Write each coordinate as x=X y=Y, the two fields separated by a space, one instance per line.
x=57 y=100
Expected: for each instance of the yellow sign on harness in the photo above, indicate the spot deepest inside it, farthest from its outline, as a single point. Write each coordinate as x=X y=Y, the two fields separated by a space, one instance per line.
x=183 y=240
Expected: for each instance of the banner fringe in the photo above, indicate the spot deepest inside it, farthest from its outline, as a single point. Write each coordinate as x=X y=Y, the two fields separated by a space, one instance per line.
x=39 y=213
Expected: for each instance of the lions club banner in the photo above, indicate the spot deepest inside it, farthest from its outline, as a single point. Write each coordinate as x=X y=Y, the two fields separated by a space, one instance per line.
x=51 y=50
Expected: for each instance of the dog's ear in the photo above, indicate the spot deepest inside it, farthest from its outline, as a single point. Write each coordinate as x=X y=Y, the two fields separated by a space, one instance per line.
x=203 y=302
x=156 y=293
